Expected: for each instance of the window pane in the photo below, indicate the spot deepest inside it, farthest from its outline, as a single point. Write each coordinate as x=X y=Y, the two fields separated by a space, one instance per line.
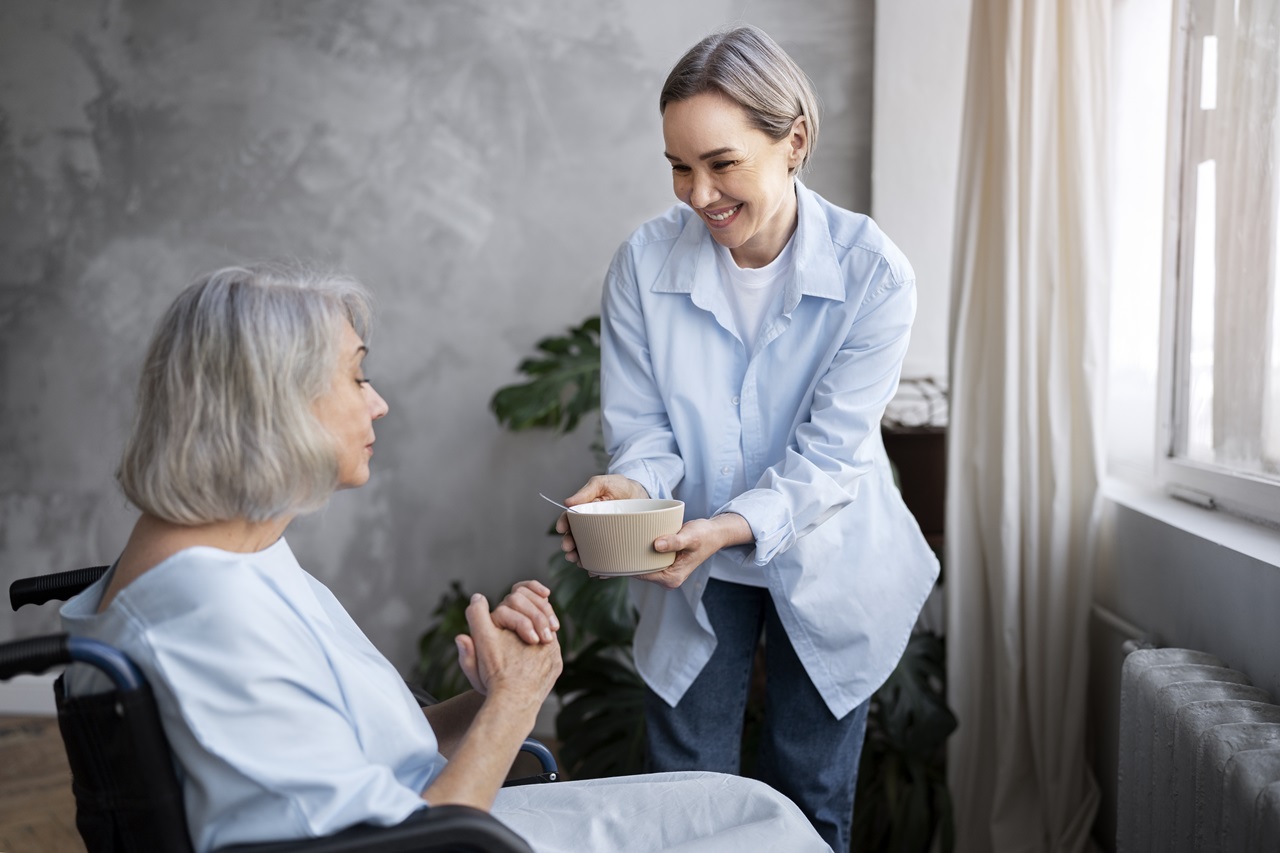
x=1228 y=405
x=1200 y=348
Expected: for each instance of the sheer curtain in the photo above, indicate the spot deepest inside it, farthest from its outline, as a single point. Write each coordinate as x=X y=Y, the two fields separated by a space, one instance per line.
x=1028 y=332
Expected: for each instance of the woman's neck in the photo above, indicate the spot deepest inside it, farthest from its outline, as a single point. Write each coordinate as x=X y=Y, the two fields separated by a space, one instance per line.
x=764 y=248
x=154 y=540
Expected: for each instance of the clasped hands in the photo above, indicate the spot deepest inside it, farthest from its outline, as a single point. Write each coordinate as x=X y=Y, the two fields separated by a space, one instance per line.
x=515 y=646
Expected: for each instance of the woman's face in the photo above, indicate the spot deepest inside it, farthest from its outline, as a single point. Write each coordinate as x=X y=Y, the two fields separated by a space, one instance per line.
x=736 y=178
x=349 y=408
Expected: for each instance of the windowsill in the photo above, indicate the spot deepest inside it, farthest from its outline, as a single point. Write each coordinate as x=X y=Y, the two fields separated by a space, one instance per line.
x=1249 y=538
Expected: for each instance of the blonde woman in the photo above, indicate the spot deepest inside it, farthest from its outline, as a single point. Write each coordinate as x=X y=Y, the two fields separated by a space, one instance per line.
x=751 y=338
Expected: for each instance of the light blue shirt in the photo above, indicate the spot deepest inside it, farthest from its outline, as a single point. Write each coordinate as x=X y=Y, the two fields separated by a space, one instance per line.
x=284 y=720
x=684 y=405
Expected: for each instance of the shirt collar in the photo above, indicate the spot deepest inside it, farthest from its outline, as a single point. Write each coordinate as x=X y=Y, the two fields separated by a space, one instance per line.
x=817 y=269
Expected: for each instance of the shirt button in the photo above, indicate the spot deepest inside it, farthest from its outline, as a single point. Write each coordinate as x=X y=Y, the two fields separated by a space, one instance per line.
x=736 y=399
x=726 y=470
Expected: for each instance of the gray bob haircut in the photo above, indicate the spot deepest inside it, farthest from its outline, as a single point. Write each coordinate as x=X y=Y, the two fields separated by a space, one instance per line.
x=749 y=68
x=224 y=426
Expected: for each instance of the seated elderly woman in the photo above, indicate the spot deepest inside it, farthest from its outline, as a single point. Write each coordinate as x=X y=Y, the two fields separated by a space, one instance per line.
x=285 y=721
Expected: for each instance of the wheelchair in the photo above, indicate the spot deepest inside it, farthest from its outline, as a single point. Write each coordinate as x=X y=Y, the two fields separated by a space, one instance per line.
x=127 y=794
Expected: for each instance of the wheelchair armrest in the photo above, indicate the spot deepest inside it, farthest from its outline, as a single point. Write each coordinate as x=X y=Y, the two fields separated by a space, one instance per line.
x=436 y=829
x=55 y=587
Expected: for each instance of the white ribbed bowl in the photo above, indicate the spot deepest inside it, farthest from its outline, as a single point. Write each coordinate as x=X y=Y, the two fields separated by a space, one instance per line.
x=616 y=537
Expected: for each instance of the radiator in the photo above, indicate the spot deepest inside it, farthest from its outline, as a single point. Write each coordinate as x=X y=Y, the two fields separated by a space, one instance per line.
x=1199 y=762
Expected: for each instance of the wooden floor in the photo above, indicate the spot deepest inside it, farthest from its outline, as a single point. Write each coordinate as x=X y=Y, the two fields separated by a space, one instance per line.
x=37 y=814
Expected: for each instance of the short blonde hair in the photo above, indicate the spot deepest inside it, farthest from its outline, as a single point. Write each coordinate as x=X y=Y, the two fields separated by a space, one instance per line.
x=224 y=426
x=749 y=68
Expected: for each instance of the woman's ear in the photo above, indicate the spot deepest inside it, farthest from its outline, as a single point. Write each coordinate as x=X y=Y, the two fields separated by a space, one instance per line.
x=799 y=142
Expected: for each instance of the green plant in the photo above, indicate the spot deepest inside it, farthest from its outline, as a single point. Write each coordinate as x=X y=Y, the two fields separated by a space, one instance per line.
x=903 y=801
x=564 y=383
x=437 y=670
x=600 y=726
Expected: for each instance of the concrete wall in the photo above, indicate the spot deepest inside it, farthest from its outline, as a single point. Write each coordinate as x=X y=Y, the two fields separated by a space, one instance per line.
x=476 y=163
x=921 y=50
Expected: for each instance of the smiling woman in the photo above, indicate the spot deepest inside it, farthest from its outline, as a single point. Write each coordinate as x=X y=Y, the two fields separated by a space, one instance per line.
x=751 y=338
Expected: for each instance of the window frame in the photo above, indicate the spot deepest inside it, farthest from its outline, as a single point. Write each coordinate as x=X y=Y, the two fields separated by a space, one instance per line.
x=1201 y=483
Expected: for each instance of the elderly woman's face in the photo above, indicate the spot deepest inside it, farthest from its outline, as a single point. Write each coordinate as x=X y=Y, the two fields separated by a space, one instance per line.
x=736 y=178
x=348 y=410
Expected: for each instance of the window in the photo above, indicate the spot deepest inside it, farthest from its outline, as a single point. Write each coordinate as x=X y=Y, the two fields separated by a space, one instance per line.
x=1195 y=344
x=1220 y=407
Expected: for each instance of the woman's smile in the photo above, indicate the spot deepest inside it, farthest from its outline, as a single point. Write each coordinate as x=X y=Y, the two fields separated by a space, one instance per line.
x=723 y=216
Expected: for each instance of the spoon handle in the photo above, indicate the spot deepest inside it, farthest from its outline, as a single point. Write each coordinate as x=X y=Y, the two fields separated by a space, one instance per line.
x=557 y=503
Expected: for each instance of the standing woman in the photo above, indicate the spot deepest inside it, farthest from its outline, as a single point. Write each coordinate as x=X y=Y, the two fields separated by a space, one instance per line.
x=752 y=337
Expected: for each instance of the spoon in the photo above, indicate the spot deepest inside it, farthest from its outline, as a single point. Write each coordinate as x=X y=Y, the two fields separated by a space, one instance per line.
x=557 y=503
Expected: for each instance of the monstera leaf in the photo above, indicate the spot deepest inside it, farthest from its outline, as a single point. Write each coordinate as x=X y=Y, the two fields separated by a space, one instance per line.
x=564 y=383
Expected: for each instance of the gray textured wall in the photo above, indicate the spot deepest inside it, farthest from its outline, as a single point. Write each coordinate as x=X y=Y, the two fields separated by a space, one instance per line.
x=476 y=163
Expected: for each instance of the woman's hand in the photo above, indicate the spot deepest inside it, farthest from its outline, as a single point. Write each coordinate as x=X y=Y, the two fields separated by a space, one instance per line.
x=602 y=487
x=694 y=543
x=497 y=660
x=527 y=611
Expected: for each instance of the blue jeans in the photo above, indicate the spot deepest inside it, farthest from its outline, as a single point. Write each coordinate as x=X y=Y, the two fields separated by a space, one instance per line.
x=805 y=752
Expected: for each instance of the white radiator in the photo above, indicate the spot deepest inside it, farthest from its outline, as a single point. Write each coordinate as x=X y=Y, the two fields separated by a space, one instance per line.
x=1199 y=757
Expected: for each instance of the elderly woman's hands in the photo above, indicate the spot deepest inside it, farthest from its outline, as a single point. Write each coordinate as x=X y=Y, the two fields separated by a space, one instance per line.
x=494 y=659
x=527 y=611
x=602 y=487
x=514 y=678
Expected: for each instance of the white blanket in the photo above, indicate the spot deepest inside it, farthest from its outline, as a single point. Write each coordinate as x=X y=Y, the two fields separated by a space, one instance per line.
x=674 y=812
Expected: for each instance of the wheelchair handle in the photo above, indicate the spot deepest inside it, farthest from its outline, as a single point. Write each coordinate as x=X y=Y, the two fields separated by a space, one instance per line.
x=35 y=655
x=56 y=587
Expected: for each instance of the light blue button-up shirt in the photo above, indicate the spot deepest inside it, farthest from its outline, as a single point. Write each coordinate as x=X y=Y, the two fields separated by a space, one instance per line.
x=685 y=405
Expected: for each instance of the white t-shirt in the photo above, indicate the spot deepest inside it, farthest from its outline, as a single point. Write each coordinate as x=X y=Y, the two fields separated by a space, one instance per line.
x=755 y=295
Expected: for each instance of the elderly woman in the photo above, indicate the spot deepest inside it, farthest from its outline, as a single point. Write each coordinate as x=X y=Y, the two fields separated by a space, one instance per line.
x=751 y=338
x=284 y=720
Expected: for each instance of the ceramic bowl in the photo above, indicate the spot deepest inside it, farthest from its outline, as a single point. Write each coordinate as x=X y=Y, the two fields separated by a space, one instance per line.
x=616 y=537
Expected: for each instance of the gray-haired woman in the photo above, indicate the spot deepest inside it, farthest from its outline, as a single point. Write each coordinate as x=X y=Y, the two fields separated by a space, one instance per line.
x=751 y=339
x=285 y=721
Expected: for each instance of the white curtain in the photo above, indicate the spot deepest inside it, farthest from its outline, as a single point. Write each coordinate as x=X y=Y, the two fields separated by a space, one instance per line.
x=1028 y=336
